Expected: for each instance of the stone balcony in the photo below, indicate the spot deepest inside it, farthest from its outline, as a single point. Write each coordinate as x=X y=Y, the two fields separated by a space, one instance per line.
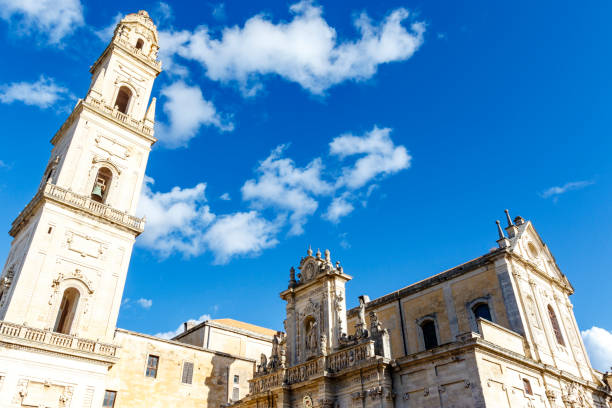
x=78 y=202
x=22 y=335
x=120 y=117
x=324 y=365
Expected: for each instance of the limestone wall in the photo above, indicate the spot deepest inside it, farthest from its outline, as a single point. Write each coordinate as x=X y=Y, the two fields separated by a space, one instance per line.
x=213 y=374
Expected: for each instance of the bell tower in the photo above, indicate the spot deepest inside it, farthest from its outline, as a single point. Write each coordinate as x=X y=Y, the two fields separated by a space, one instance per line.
x=68 y=261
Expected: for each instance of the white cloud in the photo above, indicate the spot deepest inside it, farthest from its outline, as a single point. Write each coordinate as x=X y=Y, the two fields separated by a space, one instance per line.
x=106 y=33
x=3 y=165
x=173 y=333
x=175 y=220
x=225 y=197
x=285 y=187
x=55 y=19
x=42 y=93
x=556 y=191
x=338 y=208
x=219 y=12
x=281 y=194
x=238 y=234
x=162 y=14
x=381 y=156
x=598 y=343
x=187 y=111
x=305 y=50
x=145 y=303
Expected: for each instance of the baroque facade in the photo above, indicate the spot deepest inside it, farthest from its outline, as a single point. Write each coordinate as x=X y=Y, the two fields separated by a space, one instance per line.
x=497 y=331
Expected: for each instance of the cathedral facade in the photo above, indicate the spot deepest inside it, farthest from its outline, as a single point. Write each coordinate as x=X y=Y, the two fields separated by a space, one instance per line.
x=497 y=331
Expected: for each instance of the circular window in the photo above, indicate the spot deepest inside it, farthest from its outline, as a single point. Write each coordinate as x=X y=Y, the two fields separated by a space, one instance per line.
x=533 y=251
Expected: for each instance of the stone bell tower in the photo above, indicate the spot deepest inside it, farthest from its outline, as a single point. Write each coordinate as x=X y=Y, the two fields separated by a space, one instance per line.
x=68 y=261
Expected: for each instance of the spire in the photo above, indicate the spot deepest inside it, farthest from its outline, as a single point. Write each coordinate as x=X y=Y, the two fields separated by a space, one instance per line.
x=511 y=228
x=150 y=116
x=503 y=242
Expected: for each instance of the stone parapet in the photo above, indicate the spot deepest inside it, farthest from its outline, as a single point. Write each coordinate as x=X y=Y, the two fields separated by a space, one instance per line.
x=79 y=202
x=330 y=364
x=21 y=335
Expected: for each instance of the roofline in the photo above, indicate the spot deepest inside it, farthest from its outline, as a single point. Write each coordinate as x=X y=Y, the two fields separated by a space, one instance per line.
x=433 y=280
x=237 y=330
x=178 y=343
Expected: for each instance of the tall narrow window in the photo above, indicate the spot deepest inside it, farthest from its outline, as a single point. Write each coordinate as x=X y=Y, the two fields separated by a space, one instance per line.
x=430 y=339
x=187 y=377
x=152 y=364
x=236 y=379
x=482 y=310
x=67 y=310
x=123 y=99
x=101 y=185
x=527 y=386
x=555 y=325
x=109 y=399
x=139 y=44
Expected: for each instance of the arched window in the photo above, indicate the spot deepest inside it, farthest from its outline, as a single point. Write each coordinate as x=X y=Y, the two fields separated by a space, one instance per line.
x=139 y=44
x=482 y=310
x=123 y=99
x=430 y=339
x=555 y=325
x=67 y=311
x=101 y=185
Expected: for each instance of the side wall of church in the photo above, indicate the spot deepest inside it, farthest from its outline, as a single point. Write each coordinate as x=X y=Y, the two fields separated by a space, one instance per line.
x=214 y=374
x=448 y=304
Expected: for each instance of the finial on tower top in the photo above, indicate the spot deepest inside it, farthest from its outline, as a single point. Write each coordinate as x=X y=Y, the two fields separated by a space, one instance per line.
x=327 y=255
x=500 y=231
x=511 y=228
x=309 y=250
x=503 y=242
x=508 y=218
x=318 y=253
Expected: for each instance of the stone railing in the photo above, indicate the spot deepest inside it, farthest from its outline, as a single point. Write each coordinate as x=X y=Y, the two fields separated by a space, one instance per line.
x=331 y=363
x=80 y=202
x=111 y=112
x=349 y=357
x=30 y=334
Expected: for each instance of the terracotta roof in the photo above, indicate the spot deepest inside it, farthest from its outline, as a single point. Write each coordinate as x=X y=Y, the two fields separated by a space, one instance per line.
x=245 y=326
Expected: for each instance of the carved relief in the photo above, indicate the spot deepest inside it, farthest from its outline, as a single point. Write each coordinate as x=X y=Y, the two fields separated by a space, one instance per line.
x=85 y=245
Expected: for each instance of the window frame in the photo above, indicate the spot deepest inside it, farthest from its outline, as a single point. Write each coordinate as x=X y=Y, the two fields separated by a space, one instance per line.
x=421 y=338
x=107 y=392
x=472 y=316
x=556 y=327
x=185 y=364
x=147 y=367
x=527 y=387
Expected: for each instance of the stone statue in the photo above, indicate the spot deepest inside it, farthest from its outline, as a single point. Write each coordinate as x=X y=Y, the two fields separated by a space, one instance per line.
x=263 y=364
x=312 y=337
x=362 y=319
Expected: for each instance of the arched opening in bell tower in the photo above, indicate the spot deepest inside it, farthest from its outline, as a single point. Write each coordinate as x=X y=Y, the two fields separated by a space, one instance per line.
x=139 y=44
x=67 y=311
x=102 y=185
x=123 y=99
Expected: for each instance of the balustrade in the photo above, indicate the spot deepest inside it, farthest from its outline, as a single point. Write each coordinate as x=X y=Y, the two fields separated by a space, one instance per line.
x=12 y=330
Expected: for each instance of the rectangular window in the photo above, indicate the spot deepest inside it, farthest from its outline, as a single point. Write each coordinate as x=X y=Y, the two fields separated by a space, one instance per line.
x=235 y=394
x=527 y=386
x=236 y=379
x=187 y=377
x=109 y=399
x=152 y=364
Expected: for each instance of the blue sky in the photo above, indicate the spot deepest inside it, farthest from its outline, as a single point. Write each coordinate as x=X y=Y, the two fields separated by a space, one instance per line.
x=458 y=111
